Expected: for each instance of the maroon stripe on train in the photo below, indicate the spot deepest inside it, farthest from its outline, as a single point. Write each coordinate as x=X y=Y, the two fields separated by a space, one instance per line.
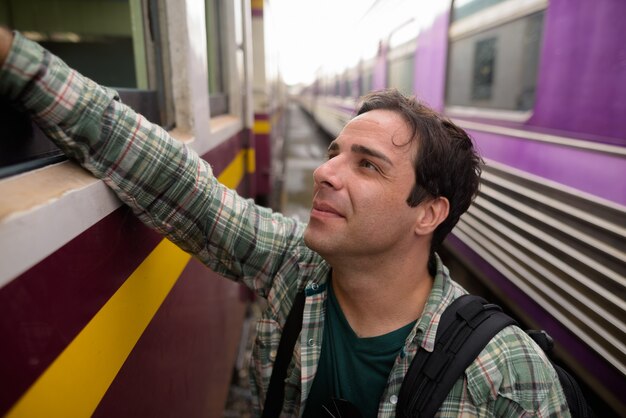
x=263 y=160
x=222 y=155
x=44 y=309
x=182 y=365
x=262 y=155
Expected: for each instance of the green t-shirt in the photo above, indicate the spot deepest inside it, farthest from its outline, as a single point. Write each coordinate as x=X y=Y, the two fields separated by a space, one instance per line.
x=352 y=368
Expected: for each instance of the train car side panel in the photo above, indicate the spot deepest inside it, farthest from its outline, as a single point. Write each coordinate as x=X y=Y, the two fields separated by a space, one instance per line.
x=583 y=76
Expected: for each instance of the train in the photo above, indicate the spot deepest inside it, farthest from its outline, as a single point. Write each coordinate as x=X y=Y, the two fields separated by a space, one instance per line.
x=101 y=316
x=539 y=85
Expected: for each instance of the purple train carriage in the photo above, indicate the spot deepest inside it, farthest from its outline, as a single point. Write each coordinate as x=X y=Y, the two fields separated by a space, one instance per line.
x=541 y=87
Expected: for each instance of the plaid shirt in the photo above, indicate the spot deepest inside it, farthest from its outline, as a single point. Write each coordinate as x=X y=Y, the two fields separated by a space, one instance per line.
x=174 y=191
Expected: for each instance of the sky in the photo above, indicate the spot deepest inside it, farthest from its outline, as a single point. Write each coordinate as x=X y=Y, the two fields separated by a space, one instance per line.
x=304 y=43
x=334 y=33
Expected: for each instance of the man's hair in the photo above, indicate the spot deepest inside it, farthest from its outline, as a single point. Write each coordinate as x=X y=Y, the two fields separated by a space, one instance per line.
x=446 y=163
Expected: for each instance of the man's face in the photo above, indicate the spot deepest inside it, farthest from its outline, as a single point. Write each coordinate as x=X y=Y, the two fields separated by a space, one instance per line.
x=359 y=204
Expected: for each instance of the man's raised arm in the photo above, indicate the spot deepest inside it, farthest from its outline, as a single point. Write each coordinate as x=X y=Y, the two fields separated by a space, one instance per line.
x=166 y=184
x=149 y=171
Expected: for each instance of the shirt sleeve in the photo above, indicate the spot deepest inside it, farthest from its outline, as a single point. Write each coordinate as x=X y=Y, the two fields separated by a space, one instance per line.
x=165 y=183
x=514 y=377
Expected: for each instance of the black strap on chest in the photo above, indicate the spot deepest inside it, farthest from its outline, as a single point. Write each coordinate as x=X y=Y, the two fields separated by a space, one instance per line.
x=466 y=327
x=276 y=390
x=468 y=323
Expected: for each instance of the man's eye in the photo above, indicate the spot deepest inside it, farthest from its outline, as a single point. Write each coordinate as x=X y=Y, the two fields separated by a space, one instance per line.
x=368 y=164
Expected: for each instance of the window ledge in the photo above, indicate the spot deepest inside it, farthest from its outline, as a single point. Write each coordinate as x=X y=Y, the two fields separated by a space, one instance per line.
x=518 y=116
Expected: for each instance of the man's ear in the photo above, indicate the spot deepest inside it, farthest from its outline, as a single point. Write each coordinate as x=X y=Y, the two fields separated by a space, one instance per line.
x=430 y=214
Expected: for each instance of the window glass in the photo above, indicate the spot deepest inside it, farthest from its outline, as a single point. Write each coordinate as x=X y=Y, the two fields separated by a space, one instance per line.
x=366 y=80
x=105 y=40
x=216 y=55
x=496 y=68
x=484 y=63
x=464 y=8
x=400 y=73
x=95 y=37
x=349 y=90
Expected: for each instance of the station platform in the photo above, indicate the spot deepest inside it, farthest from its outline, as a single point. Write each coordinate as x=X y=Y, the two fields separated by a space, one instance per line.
x=305 y=149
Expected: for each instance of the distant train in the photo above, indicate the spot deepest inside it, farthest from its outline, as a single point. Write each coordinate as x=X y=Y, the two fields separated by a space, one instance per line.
x=541 y=87
x=100 y=316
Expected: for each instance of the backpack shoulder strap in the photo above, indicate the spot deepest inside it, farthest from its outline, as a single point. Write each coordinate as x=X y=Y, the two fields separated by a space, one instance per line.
x=276 y=390
x=465 y=328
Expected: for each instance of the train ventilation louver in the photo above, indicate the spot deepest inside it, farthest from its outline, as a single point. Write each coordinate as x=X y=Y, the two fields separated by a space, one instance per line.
x=562 y=248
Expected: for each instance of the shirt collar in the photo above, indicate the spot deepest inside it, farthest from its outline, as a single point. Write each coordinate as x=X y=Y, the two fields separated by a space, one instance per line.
x=313 y=270
x=441 y=295
x=443 y=292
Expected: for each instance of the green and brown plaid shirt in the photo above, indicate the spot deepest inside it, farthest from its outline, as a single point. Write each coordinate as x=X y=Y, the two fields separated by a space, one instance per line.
x=172 y=190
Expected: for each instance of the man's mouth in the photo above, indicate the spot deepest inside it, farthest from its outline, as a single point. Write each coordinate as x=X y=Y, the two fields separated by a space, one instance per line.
x=324 y=209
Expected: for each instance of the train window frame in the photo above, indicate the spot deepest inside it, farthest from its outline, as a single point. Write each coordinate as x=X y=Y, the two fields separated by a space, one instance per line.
x=346 y=90
x=366 y=75
x=353 y=83
x=235 y=59
x=31 y=149
x=199 y=120
x=471 y=7
x=217 y=47
x=401 y=53
x=480 y=22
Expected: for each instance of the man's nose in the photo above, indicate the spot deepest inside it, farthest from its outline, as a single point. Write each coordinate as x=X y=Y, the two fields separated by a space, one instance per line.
x=329 y=174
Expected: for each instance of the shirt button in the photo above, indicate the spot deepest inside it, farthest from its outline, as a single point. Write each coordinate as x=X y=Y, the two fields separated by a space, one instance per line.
x=393 y=399
x=311 y=342
x=314 y=286
x=273 y=354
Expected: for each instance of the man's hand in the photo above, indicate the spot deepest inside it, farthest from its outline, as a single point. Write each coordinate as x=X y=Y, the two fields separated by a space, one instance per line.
x=6 y=39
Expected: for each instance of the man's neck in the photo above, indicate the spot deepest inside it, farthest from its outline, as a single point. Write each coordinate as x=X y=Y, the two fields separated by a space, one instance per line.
x=377 y=298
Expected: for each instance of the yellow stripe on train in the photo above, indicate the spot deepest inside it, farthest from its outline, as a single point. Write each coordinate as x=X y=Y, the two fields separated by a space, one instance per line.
x=262 y=126
x=233 y=174
x=257 y=4
x=74 y=384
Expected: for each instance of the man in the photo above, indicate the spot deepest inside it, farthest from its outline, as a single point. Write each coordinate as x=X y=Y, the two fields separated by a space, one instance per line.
x=397 y=179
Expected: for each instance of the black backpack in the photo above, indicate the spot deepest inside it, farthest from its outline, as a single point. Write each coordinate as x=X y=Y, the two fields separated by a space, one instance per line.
x=469 y=323
x=466 y=326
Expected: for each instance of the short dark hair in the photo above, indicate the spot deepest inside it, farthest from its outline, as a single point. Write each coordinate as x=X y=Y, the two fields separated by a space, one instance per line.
x=446 y=163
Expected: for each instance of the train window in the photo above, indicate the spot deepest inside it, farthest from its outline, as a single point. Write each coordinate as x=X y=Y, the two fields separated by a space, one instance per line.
x=401 y=67
x=465 y=8
x=367 y=80
x=494 y=54
x=351 y=87
x=104 y=40
x=216 y=54
x=484 y=62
